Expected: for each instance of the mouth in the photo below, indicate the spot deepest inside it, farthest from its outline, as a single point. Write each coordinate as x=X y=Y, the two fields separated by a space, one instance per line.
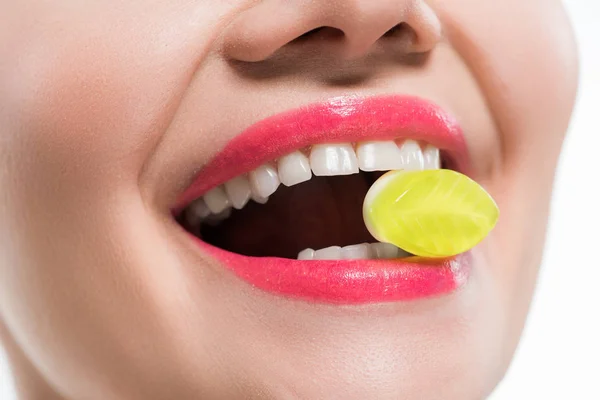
x=281 y=205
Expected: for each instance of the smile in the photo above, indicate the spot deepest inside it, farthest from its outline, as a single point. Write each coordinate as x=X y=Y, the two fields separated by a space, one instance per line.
x=281 y=205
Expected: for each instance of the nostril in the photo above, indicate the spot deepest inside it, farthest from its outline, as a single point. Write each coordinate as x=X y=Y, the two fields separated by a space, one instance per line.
x=310 y=33
x=402 y=29
x=322 y=32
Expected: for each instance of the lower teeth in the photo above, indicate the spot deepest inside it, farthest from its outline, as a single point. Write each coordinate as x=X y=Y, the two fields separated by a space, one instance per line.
x=364 y=251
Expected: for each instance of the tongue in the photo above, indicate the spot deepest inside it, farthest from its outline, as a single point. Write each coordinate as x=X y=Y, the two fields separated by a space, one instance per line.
x=322 y=212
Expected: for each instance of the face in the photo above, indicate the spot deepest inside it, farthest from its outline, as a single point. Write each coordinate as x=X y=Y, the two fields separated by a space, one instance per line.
x=116 y=115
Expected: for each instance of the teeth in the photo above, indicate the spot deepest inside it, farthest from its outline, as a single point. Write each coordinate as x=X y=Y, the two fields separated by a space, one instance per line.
x=384 y=250
x=196 y=212
x=324 y=160
x=307 y=254
x=294 y=169
x=329 y=253
x=412 y=156
x=333 y=159
x=403 y=254
x=199 y=208
x=215 y=219
x=364 y=251
x=357 y=252
x=260 y=200
x=431 y=156
x=379 y=156
x=238 y=191
x=264 y=181
x=216 y=200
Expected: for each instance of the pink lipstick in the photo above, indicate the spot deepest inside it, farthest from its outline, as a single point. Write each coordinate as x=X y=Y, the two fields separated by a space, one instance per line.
x=346 y=119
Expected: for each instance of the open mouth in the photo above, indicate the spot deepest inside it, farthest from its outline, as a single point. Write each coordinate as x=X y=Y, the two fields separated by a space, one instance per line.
x=281 y=205
x=306 y=205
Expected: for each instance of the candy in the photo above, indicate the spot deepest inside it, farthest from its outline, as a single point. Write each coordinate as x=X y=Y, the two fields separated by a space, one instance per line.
x=433 y=213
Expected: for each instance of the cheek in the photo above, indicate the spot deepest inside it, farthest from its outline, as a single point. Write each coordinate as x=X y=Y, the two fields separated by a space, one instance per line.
x=92 y=89
x=528 y=71
x=88 y=91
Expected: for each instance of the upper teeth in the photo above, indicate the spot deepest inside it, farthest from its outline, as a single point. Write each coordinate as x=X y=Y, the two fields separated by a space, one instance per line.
x=333 y=159
x=323 y=160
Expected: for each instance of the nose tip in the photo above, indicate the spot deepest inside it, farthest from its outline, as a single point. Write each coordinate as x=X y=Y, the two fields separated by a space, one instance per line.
x=260 y=31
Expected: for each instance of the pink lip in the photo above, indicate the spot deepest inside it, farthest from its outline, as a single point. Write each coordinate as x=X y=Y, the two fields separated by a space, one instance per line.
x=347 y=119
x=348 y=281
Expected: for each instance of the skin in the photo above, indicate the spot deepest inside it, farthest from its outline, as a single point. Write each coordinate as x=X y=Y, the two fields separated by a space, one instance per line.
x=108 y=109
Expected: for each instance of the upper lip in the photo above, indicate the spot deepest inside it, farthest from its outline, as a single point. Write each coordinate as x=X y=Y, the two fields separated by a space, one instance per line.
x=340 y=119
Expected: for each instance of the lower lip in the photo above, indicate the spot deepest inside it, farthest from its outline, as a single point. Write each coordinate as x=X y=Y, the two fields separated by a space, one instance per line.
x=348 y=281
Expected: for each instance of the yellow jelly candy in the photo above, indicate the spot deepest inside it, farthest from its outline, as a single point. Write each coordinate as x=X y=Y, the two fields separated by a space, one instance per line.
x=433 y=213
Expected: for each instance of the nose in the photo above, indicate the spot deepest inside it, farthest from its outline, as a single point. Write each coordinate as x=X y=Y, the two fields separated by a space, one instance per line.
x=352 y=27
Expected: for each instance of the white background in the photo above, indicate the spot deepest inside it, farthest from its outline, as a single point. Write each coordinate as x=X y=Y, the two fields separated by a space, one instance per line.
x=559 y=356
